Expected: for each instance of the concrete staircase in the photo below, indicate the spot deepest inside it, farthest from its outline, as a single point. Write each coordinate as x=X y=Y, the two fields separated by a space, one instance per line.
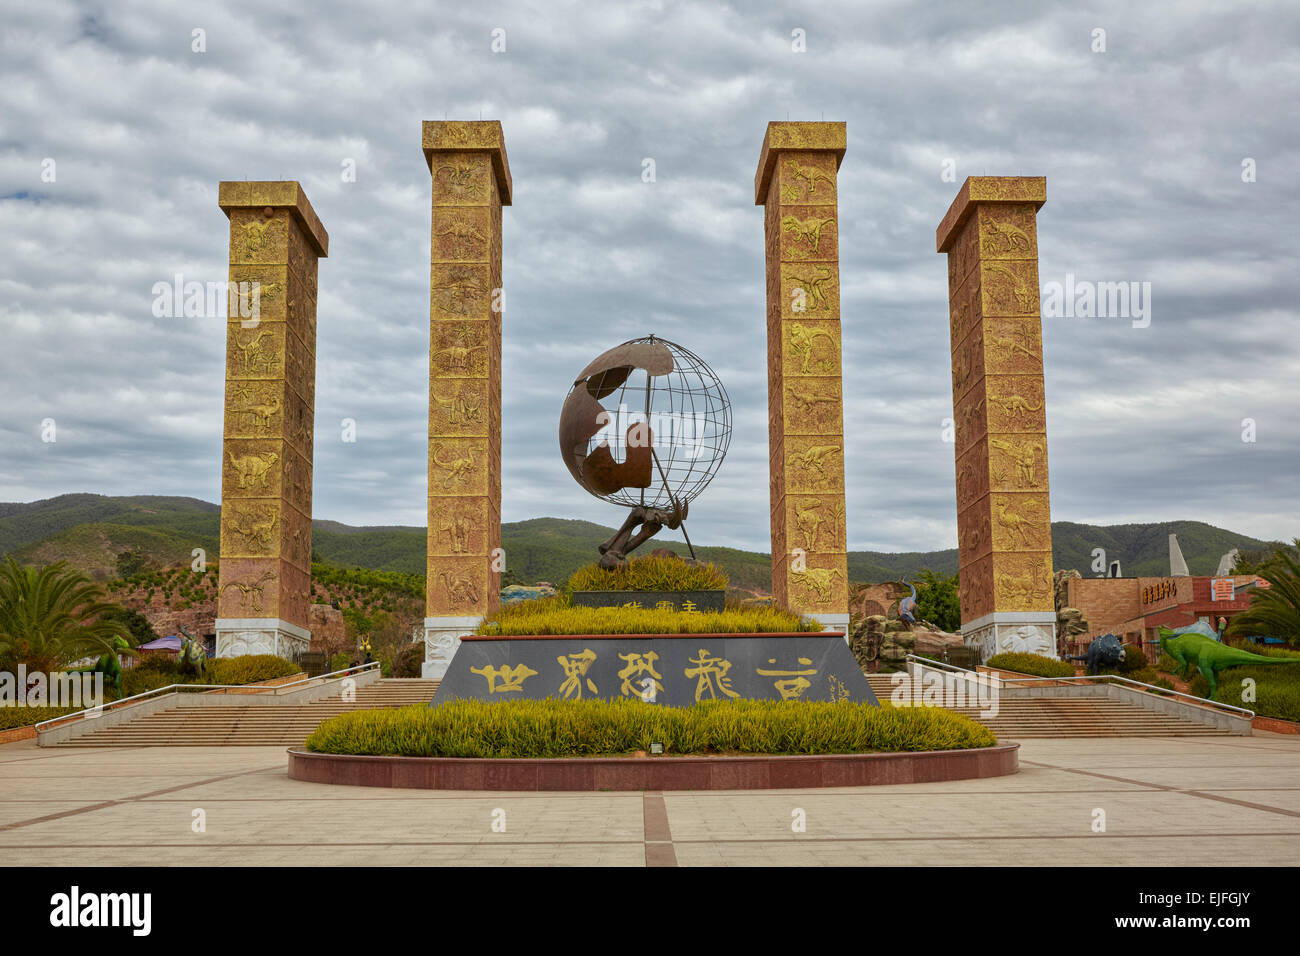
x=1023 y=717
x=252 y=725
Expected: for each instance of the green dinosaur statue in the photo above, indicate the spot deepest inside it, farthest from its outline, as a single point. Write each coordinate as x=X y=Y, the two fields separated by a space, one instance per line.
x=109 y=665
x=1210 y=656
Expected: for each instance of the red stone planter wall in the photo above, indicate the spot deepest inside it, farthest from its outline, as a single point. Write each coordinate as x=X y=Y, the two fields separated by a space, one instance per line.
x=654 y=773
x=1276 y=725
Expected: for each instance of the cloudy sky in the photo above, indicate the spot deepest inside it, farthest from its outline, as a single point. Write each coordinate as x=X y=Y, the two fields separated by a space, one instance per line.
x=1142 y=145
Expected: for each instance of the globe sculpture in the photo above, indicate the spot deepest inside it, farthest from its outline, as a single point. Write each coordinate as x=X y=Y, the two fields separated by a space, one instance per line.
x=645 y=426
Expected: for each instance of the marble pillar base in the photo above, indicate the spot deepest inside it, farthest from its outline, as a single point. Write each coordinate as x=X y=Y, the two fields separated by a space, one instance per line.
x=240 y=636
x=1008 y=632
x=441 y=639
x=831 y=622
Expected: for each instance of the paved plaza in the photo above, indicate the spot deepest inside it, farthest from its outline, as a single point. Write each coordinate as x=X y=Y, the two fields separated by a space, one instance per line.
x=1227 y=801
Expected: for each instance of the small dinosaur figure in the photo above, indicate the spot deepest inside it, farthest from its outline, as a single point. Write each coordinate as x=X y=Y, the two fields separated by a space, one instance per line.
x=907 y=606
x=192 y=656
x=1105 y=651
x=1211 y=657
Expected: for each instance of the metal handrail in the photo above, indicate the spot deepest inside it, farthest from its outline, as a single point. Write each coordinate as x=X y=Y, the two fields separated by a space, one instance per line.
x=926 y=662
x=177 y=688
x=1163 y=691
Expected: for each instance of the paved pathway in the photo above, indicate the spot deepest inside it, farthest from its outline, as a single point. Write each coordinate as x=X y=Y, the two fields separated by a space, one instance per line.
x=1227 y=801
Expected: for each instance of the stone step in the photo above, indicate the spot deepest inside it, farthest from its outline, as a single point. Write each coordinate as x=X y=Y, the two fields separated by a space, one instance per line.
x=254 y=724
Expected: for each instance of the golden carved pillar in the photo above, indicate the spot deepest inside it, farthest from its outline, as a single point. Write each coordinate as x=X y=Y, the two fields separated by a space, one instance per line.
x=471 y=182
x=796 y=183
x=1003 y=514
x=266 y=462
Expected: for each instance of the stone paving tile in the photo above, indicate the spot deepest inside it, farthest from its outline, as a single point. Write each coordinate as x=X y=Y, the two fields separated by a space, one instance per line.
x=872 y=815
x=1100 y=850
x=14 y=810
x=133 y=806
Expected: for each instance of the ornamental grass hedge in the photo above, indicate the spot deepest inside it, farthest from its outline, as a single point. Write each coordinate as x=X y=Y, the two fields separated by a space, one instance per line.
x=555 y=615
x=597 y=728
x=649 y=573
x=11 y=717
x=1035 y=665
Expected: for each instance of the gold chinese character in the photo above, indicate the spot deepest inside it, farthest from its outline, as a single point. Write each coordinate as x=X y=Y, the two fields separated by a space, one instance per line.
x=663 y=606
x=689 y=607
x=712 y=674
x=637 y=665
x=838 y=691
x=789 y=689
x=512 y=677
x=633 y=605
x=575 y=670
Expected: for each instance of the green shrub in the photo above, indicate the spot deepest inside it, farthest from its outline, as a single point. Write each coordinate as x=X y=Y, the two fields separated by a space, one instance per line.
x=649 y=574
x=591 y=728
x=1277 y=689
x=554 y=615
x=1148 y=675
x=247 y=670
x=1035 y=664
x=154 y=671
x=11 y=717
x=340 y=661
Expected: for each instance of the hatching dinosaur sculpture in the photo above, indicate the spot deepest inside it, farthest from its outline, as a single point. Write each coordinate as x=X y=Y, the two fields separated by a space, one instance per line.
x=1211 y=657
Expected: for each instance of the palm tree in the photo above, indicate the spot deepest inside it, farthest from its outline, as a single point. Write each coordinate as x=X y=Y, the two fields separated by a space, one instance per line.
x=52 y=617
x=1274 y=611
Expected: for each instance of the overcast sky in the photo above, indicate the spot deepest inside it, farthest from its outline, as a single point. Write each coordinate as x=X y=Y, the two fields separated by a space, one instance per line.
x=1142 y=146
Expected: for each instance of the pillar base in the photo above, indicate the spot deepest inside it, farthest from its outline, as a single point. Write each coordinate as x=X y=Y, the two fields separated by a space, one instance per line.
x=441 y=641
x=831 y=622
x=1013 y=632
x=240 y=636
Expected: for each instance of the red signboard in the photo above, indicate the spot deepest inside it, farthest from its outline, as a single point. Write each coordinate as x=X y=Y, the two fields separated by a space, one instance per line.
x=1222 y=589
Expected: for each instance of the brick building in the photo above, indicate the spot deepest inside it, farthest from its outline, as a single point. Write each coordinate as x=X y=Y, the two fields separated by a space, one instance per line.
x=1133 y=608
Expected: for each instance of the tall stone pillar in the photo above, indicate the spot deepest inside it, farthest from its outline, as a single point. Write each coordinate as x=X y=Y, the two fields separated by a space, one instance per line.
x=266 y=462
x=1003 y=515
x=471 y=182
x=796 y=183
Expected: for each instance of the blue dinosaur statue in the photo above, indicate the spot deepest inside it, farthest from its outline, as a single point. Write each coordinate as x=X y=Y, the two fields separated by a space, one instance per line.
x=907 y=606
x=1105 y=651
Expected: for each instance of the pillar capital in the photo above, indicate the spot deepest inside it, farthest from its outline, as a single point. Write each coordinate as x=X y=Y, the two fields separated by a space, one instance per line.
x=470 y=136
x=278 y=194
x=784 y=137
x=1030 y=190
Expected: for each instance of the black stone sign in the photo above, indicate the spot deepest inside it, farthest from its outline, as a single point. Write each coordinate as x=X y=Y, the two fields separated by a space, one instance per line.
x=675 y=670
x=698 y=600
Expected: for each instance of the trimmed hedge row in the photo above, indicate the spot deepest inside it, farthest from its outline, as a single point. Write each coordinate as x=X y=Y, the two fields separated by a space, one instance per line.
x=594 y=728
x=11 y=717
x=649 y=573
x=554 y=615
x=1034 y=664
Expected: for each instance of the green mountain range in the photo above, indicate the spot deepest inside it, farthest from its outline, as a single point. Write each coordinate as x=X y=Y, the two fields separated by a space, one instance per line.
x=91 y=531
